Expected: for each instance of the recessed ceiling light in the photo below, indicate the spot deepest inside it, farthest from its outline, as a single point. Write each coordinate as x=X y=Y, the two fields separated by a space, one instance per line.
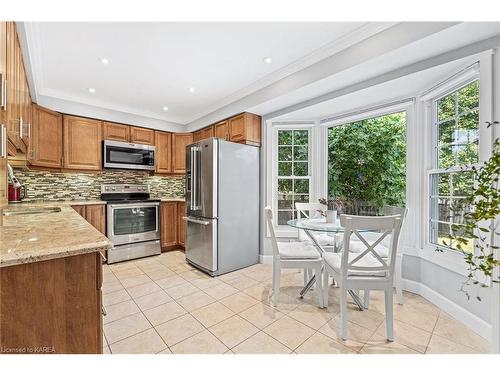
x=165 y=108
x=192 y=89
x=267 y=60
x=104 y=60
x=92 y=90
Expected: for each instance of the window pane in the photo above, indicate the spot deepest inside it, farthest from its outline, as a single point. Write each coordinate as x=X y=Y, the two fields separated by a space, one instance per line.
x=285 y=153
x=300 y=137
x=284 y=216
x=300 y=153
x=462 y=182
x=446 y=107
x=446 y=156
x=284 y=168
x=445 y=130
x=301 y=187
x=300 y=169
x=285 y=186
x=440 y=236
x=367 y=160
x=284 y=137
x=285 y=201
x=468 y=97
x=301 y=198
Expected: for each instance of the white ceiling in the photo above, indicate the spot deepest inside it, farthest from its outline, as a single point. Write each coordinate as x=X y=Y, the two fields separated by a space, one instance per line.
x=152 y=65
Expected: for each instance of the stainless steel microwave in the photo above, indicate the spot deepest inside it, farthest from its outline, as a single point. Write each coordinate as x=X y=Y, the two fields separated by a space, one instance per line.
x=128 y=155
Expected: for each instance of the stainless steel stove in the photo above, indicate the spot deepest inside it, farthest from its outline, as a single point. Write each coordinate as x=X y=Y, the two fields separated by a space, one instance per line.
x=132 y=221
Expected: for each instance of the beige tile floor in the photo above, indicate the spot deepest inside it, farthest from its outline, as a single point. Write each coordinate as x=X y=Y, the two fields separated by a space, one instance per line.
x=163 y=305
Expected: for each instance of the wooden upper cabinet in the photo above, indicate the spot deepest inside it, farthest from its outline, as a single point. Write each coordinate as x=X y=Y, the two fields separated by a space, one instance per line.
x=116 y=132
x=141 y=135
x=179 y=143
x=46 y=138
x=245 y=128
x=13 y=114
x=95 y=215
x=204 y=133
x=82 y=146
x=168 y=219
x=222 y=130
x=163 y=141
x=3 y=70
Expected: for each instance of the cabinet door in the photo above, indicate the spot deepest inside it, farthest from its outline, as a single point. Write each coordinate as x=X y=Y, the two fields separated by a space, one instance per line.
x=80 y=209
x=3 y=70
x=95 y=215
x=82 y=148
x=222 y=130
x=180 y=141
x=116 y=132
x=141 y=135
x=237 y=128
x=168 y=212
x=13 y=122
x=46 y=138
x=181 y=224
x=163 y=142
x=207 y=132
x=3 y=164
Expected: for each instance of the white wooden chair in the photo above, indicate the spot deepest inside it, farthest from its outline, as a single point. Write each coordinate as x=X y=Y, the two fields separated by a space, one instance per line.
x=366 y=270
x=311 y=211
x=293 y=255
x=383 y=250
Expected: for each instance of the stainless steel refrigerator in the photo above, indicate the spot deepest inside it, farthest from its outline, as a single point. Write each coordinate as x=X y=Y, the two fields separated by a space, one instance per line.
x=222 y=205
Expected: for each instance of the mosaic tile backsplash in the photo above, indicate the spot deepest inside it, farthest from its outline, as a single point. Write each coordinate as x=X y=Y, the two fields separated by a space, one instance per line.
x=48 y=185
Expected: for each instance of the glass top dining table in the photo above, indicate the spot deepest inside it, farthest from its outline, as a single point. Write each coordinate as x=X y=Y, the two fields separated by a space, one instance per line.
x=320 y=225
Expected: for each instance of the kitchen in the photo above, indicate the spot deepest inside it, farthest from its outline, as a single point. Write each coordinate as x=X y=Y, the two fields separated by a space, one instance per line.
x=193 y=199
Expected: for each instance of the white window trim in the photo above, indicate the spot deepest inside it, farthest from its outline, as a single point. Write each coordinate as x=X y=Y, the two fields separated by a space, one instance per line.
x=272 y=169
x=482 y=70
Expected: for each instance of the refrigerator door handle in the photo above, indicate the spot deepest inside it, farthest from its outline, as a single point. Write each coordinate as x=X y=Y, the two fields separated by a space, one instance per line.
x=191 y=161
x=196 y=221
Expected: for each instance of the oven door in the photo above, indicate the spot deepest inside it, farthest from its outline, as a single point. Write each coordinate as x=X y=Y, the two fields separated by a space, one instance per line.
x=128 y=155
x=132 y=222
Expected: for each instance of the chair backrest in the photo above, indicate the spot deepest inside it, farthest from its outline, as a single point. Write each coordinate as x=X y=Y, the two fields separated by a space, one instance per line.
x=269 y=219
x=384 y=226
x=395 y=210
x=309 y=210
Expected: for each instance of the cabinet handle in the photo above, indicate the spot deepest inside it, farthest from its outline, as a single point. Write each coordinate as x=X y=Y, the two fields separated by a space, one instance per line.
x=3 y=101
x=4 y=141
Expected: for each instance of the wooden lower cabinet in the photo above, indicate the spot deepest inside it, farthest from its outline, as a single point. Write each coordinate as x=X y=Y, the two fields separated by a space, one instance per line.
x=172 y=225
x=181 y=224
x=168 y=219
x=62 y=314
x=95 y=214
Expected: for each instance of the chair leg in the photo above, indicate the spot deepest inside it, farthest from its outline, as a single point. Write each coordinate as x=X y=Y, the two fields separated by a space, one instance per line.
x=307 y=276
x=276 y=281
x=319 y=285
x=388 y=314
x=366 y=296
x=399 y=278
x=343 y=313
x=325 y=288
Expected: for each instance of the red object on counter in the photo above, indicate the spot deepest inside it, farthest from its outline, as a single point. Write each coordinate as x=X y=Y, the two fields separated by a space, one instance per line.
x=16 y=194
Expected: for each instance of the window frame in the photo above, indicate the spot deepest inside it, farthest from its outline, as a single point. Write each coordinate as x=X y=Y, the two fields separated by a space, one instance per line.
x=285 y=230
x=434 y=170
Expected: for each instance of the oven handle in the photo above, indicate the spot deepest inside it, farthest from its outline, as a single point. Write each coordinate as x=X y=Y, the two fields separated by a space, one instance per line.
x=133 y=205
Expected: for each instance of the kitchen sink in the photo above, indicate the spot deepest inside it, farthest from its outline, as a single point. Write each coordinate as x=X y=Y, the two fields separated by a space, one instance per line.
x=31 y=211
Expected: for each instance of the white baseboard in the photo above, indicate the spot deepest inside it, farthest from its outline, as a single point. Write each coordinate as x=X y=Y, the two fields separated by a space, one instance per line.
x=265 y=259
x=478 y=325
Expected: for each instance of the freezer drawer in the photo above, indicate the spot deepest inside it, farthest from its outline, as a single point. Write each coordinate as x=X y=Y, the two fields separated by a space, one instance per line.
x=201 y=242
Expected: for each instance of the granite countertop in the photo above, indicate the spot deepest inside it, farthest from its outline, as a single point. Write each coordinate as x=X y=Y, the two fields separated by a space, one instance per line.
x=41 y=203
x=172 y=199
x=38 y=237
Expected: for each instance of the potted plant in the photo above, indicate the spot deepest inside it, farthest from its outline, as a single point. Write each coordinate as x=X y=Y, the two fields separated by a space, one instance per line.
x=480 y=211
x=333 y=205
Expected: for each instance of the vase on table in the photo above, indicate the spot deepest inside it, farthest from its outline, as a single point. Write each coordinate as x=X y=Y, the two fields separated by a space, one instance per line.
x=331 y=216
